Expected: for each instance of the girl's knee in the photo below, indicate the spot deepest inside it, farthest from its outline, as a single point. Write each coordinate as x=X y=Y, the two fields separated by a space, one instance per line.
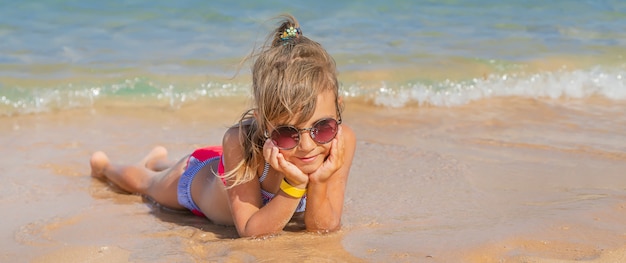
x=137 y=179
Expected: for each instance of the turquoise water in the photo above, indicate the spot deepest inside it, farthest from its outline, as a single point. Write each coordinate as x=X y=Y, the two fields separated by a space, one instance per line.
x=64 y=54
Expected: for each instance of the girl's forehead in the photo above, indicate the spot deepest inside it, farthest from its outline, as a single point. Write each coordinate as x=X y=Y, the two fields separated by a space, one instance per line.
x=325 y=107
x=327 y=97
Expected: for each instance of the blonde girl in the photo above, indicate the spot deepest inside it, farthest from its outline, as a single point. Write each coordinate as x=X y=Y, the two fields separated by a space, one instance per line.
x=289 y=155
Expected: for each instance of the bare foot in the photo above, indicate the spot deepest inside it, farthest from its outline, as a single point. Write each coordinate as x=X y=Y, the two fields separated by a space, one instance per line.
x=157 y=160
x=99 y=162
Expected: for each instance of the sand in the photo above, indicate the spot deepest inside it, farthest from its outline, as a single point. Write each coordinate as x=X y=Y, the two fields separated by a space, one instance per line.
x=500 y=180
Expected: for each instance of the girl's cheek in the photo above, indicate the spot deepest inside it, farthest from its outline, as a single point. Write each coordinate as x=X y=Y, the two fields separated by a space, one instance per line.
x=286 y=154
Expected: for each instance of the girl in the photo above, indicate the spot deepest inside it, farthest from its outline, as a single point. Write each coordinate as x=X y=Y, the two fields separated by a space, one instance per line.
x=288 y=154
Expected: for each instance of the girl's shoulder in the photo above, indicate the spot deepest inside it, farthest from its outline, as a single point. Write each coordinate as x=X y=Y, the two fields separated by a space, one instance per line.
x=234 y=136
x=348 y=134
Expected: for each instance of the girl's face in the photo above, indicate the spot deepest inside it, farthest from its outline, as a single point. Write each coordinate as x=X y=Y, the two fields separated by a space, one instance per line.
x=309 y=155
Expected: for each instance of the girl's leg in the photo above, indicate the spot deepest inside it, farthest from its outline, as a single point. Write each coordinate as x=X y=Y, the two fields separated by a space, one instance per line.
x=157 y=159
x=142 y=178
x=130 y=178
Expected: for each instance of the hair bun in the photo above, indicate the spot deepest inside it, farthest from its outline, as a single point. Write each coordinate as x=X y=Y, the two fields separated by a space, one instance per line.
x=288 y=32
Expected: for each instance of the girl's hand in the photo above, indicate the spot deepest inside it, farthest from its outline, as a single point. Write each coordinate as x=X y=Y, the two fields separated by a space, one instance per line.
x=293 y=174
x=333 y=162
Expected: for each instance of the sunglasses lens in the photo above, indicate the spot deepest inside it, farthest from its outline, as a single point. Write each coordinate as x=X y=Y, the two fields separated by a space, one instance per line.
x=324 y=131
x=286 y=137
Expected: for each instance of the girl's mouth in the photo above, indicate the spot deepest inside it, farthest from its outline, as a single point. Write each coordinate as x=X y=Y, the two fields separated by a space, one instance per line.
x=307 y=159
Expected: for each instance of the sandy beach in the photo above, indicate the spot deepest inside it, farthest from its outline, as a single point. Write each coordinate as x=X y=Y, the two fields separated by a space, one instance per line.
x=487 y=131
x=503 y=180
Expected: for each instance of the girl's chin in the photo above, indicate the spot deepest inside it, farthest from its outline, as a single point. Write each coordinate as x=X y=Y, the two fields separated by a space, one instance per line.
x=309 y=168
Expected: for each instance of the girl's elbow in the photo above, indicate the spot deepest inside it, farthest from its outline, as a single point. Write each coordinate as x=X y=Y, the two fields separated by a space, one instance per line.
x=256 y=234
x=329 y=227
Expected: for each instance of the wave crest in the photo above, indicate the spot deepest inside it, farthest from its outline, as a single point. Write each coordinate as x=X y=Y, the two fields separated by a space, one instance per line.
x=610 y=83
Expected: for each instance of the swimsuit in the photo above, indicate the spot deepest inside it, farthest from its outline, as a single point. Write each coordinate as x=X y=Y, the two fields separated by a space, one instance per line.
x=267 y=196
x=197 y=160
x=200 y=158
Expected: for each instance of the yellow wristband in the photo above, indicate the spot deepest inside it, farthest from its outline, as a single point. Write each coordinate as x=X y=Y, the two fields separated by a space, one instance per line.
x=290 y=190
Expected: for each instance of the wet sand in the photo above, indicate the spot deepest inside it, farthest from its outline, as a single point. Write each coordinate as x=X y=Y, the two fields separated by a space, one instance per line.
x=499 y=180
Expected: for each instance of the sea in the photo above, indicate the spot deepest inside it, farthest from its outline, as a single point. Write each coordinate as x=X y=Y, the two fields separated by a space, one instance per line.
x=487 y=131
x=57 y=55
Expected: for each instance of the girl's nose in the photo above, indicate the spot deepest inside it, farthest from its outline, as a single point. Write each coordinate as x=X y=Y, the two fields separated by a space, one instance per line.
x=306 y=142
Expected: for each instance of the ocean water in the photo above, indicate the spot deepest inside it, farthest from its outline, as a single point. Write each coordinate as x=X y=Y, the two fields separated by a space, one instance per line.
x=65 y=54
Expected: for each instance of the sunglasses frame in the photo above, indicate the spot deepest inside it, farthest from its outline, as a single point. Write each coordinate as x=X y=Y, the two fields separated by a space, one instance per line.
x=310 y=130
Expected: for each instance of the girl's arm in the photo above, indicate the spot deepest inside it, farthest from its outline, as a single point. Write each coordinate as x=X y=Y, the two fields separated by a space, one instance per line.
x=251 y=218
x=325 y=195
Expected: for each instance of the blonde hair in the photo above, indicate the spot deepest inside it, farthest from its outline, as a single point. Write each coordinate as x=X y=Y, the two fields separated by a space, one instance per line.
x=287 y=76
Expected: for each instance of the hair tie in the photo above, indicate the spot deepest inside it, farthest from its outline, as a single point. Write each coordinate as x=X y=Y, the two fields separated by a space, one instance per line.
x=290 y=33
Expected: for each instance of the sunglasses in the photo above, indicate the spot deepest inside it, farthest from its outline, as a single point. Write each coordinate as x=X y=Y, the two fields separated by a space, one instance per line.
x=287 y=137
